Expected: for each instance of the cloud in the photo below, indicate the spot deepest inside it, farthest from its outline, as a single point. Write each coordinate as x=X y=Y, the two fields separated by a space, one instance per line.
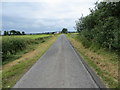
x=43 y=15
x=36 y=25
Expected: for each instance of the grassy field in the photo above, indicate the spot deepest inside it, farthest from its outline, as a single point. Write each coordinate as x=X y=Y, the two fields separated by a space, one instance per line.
x=103 y=62
x=27 y=36
x=14 y=70
x=13 y=45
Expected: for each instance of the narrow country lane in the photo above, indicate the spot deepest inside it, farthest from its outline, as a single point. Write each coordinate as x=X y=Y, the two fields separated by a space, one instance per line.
x=59 y=67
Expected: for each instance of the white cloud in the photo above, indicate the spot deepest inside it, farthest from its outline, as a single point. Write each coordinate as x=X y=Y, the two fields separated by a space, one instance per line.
x=47 y=1
x=46 y=12
x=50 y=9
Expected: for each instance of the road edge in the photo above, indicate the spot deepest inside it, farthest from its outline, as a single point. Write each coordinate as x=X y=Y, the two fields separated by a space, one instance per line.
x=93 y=74
x=33 y=64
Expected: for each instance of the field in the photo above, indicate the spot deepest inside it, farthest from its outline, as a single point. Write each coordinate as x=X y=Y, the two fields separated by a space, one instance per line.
x=11 y=45
x=103 y=62
x=36 y=46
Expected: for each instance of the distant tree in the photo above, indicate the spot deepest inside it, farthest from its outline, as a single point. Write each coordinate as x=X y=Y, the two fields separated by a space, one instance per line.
x=18 y=33
x=5 y=32
x=64 y=30
x=12 y=32
x=23 y=33
x=53 y=32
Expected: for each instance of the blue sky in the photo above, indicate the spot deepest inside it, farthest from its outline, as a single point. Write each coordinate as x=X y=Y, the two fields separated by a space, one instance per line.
x=35 y=16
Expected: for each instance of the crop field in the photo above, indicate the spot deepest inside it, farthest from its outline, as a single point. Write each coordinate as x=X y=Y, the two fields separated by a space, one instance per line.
x=14 y=68
x=13 y=44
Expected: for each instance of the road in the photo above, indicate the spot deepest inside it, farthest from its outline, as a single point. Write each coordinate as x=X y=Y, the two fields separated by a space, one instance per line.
x=59 y=67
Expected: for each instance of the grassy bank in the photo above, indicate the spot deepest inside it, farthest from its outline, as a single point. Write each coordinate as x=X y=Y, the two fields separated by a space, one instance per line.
x=14 y=70
x=104 y=63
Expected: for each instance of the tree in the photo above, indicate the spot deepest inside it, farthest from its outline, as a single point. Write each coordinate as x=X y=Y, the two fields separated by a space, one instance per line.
x=23 y=33
x=18 y=33
x=64 y=30
x=5 y=32
x=12 y=32
x=53 y=32
x=101 y=27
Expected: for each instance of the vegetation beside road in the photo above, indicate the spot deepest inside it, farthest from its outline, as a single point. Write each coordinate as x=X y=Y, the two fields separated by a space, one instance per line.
x=14 y=46
x=14 y=70
x=104 y=63
x=101 y=28
x=99 y=40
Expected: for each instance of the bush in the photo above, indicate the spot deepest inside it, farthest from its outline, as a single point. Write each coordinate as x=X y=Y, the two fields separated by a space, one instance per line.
x=101 y=27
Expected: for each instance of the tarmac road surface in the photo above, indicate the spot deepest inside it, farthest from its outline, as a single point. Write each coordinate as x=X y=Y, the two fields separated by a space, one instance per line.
x=59 y=67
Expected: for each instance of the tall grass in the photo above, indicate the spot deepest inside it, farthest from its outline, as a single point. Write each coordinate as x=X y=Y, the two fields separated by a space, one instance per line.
x=13 y=44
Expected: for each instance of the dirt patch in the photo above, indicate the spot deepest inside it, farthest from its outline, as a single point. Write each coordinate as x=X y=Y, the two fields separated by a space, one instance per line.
x=23 y=58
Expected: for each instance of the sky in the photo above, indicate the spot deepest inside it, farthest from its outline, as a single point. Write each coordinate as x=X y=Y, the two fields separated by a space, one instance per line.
x=36 y=16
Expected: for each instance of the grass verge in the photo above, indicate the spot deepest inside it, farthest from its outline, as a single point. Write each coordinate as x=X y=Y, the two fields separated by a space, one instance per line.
x=14 y=70
x=104 y=63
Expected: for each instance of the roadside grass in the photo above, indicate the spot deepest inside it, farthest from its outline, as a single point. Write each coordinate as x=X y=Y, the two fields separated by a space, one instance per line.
x=103 y=62
x=28 y=36
x=14 y=70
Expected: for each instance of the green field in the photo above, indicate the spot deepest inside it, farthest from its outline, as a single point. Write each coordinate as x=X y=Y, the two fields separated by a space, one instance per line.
x=27 y=36
x=11 y=45
x=14 y=67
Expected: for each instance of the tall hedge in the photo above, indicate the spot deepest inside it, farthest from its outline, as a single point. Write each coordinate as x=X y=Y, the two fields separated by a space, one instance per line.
x=102 y=26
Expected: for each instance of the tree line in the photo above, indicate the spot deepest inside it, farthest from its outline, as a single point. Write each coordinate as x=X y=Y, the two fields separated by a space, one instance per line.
x=14 y=32
x=101 y=28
